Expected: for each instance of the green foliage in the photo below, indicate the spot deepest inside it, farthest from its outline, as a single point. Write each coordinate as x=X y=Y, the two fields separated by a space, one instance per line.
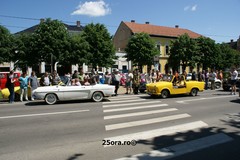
x=141 y=49
x=77 y=51
x=6 y=45
x=49 y=41
x=209 y=52
x=183 y=51
x=228 y=57
x=100 y=45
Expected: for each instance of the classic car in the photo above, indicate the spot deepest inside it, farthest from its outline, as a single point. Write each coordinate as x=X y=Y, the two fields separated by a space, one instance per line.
x=226 y=84
x=173 y=86
x=52 y=94
x=5 y=92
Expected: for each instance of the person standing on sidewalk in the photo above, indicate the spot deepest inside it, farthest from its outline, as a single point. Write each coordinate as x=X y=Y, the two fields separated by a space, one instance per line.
x=116 y=80
x=136 y=81
x=33 y=83
x=129 y=79
x=212 y=76
x=234 y=77
x=10 y=85
x=24 y=86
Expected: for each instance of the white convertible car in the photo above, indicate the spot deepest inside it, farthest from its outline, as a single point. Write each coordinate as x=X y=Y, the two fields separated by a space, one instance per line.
x=51 y=94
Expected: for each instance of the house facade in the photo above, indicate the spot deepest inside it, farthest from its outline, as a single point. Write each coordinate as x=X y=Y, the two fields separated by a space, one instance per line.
x=161 y=35
x=235 y=44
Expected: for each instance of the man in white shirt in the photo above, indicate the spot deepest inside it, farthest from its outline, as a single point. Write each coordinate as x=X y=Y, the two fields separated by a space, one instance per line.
x=234 y=78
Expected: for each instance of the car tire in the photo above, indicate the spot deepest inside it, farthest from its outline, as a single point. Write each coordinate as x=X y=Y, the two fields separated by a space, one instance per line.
x=217 y=85
x=194 y=92
x=97 y=96
x=51 y=98
x=165 y=93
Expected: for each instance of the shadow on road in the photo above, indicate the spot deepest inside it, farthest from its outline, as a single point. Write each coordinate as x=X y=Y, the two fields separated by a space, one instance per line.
x=75 y=156
x=223 y=151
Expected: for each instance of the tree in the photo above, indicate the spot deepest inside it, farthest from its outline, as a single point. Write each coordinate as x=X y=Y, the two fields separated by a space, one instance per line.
x=141 y=50
x=77 y=52
x=228 y=57
x=100 y=45
x=183 y=51
x=50 y=41
x=6 y=45
x=23 y=50
x=209 y=52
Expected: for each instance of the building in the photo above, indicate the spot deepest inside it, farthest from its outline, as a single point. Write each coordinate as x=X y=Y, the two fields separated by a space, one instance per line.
x=235 y=44
x=72 y=29
x=160 y=34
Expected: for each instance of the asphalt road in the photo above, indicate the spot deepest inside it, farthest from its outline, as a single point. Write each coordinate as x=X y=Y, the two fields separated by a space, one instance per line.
x=180 y=127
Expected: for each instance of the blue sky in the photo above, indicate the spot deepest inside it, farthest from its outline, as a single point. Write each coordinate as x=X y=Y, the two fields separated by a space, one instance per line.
x=217 y=19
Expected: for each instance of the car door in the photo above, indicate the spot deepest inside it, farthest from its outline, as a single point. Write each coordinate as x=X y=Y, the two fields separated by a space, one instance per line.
x=179 y=88
x=75 y=92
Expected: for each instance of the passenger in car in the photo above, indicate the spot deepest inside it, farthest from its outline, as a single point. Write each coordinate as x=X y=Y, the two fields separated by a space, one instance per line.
x=77 y=82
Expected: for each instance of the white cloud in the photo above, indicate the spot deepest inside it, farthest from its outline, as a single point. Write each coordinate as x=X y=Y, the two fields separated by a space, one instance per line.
x=93 y=9
x=190 y=8
x=194 y=8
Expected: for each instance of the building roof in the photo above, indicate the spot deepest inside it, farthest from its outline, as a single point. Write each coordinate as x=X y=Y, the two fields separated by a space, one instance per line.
x=70 y=28
x=154 y=30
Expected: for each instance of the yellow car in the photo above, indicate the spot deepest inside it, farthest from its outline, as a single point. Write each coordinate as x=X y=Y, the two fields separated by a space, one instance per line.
x=174 y=85
x=5 y=93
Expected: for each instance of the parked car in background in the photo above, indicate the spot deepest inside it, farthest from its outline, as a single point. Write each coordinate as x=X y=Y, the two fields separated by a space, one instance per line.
x=218 y=84
x=5 y=93
x=226 y=84
x=174 y=86
x=3 y=79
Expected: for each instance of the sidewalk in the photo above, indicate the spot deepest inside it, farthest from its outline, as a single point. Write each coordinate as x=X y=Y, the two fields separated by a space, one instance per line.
x=122 y=90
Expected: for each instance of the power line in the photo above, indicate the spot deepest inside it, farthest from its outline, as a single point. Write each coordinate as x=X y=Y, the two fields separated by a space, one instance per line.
x=14 y=26
x=6 y=16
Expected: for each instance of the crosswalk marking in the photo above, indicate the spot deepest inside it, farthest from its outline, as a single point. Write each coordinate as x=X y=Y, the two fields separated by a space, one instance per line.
x=139 y=113
x=182 y=148
x=144 y=122
x=130 y=104
x=158 y=132
x=133 y=108
x=120 y=101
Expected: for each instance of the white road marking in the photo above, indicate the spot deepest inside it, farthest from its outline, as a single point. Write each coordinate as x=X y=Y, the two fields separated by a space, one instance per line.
x=124 y=101
x=42 y=114
x=199 y=99
x=183 y=148
x=130 y=104
x=139 y=113
x=133 y=108
x=144 y=122
x=157 y=132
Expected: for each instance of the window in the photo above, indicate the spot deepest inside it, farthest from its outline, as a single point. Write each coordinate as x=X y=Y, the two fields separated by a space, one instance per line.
x=158 y=46
x=167 y=50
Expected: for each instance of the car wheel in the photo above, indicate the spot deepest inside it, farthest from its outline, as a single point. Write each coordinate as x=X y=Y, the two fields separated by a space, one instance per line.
x=97 y=96
x=217 y=85
x=165 y=93
x=194 y=92
x=51 y=98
